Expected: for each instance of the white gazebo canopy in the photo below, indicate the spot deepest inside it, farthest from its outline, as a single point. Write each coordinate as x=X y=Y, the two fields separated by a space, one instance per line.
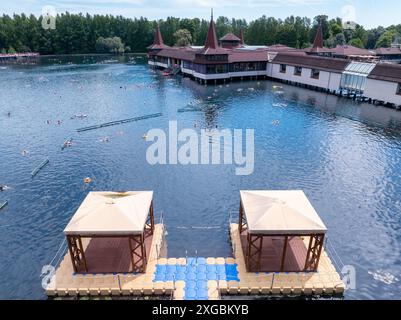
x=111 y=213
x=280 y=213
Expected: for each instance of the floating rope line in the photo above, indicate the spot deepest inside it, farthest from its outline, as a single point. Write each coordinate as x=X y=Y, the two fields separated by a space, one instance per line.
x=41 y=166
x=59 y=249
x=2 y=205
x=117 y=122
x=335 y=256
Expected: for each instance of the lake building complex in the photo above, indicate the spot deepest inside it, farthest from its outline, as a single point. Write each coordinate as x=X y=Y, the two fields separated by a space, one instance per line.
x=344 y=70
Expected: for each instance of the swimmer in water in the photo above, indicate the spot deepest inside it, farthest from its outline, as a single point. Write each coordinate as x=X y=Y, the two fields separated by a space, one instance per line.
x=68 y=144
x=4 y=188
x=87 y=180
x=25 y=152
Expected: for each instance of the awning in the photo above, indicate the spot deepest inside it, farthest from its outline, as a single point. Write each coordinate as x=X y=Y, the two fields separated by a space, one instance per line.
x=111 y=213
x=280 y=213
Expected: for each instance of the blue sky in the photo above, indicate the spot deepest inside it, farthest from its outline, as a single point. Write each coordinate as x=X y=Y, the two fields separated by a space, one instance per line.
x=370 y=13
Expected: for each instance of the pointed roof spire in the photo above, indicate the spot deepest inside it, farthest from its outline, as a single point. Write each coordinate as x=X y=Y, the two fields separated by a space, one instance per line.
x=211 y=44
x=158 y=36
x=158 y=42
x=318 y=43
x=211 y=39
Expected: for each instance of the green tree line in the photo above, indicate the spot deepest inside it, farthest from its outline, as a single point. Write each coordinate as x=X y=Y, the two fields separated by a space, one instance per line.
x=79 y=33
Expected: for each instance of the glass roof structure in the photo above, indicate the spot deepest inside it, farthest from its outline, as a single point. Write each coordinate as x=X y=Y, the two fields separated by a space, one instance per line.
x=354 y=76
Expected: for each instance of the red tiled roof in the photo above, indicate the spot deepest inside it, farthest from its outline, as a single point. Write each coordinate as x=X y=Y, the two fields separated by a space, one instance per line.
x=347 y=50
x=182 y=53
x=248 y=56
x=386 y=72
x=230 y=37
x=388 y=51
x=312 y=62
x=282 y=48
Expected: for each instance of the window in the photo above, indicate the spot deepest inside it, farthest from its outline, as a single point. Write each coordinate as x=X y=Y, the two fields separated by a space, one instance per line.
x=315 y=74
x=298 y=71
x=220 y=57
x=216 y=68
x=283 y=68
x=399 y=89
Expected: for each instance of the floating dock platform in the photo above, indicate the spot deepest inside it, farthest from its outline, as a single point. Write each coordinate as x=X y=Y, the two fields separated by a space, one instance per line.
x=196 y=278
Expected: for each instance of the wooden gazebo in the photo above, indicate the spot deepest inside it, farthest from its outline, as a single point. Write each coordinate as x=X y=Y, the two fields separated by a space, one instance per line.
x=109 y=231
x=280 y=231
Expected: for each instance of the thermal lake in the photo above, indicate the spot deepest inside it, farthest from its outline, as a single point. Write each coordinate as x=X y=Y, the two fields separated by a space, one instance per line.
x=345 y=155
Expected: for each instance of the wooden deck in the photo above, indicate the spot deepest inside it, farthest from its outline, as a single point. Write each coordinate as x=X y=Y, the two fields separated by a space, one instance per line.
x=111 y=255
x=272 y=253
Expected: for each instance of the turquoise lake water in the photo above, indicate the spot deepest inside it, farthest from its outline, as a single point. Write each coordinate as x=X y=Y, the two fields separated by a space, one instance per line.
x=346 y=156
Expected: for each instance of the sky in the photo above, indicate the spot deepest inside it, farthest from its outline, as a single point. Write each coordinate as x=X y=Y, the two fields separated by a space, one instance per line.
x=369 y=13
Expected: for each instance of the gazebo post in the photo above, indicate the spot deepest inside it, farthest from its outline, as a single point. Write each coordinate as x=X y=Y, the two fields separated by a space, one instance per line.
x=77 y=253
x=138 y=250
x=248 y=251
x=144 y=259
x=242 y=223
x=314 y=252
x=150 y=222
x=255 y=254
x=284 y=254
x=152 y=217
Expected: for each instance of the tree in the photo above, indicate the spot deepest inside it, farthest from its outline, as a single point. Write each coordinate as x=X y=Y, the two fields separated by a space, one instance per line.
x=182 y=38
x=109 y=45
x=78 y=33
x=356 y=42
x=386 y=39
